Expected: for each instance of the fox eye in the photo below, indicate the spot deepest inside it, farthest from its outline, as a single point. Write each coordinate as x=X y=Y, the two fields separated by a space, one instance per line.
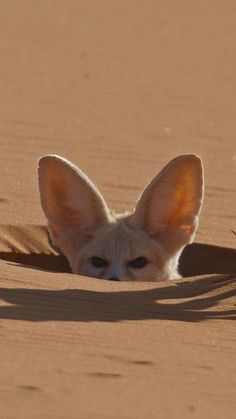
x=99 y=262
x=138 y=263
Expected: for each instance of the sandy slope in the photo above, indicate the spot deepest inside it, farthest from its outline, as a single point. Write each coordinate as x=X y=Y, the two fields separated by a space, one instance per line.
x=72 y=347
x=119 y=87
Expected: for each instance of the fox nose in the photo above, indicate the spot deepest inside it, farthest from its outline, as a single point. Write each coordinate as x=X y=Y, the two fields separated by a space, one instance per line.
x=113 y=278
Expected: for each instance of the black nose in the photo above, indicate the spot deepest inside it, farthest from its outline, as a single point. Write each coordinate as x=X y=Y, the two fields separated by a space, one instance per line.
x=114 y=278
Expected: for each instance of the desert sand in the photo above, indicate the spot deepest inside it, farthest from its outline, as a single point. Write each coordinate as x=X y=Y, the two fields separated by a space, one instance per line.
x=119 y=88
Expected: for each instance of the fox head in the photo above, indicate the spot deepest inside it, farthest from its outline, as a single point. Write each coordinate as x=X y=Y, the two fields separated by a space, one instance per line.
x=144 y=245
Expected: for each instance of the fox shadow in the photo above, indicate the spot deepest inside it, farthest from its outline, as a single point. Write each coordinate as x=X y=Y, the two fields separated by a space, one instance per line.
x=186 y=301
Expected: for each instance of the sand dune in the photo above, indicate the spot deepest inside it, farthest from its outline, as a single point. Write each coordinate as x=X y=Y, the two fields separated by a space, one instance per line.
x=119 y=88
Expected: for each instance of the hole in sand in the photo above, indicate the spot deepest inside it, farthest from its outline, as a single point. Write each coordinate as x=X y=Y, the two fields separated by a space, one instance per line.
x=29 y=245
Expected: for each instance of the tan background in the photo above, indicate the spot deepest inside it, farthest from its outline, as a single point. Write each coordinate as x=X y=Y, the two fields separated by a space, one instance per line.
x=119 y=87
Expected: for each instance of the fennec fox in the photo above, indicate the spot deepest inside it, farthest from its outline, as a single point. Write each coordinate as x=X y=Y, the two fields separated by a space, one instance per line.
x=144 y=245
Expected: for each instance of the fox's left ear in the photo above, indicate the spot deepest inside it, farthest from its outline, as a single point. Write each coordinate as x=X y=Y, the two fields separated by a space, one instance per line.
x=68 y=197
x=169 y=207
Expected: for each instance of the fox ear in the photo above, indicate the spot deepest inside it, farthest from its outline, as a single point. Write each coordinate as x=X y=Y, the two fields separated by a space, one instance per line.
x=168 y=208
x=69 y=199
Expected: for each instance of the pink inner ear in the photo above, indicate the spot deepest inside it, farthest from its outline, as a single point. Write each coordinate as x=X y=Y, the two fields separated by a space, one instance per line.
x=182 y=207
x=54 y=196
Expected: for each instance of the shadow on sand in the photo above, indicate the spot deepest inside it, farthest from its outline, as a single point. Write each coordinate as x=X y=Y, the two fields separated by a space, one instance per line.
x=187 y=301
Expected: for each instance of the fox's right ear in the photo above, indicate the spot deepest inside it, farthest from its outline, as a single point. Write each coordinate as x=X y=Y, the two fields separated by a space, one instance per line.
x=169 y=207
x=69 y=199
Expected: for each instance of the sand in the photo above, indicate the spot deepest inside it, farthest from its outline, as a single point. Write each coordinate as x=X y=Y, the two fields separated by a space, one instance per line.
x=120 y=88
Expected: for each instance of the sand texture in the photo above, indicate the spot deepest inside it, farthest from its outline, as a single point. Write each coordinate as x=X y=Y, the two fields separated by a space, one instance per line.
x=119 y=88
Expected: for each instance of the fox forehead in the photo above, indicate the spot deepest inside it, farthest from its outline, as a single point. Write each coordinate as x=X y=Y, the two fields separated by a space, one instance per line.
x=120 y=239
